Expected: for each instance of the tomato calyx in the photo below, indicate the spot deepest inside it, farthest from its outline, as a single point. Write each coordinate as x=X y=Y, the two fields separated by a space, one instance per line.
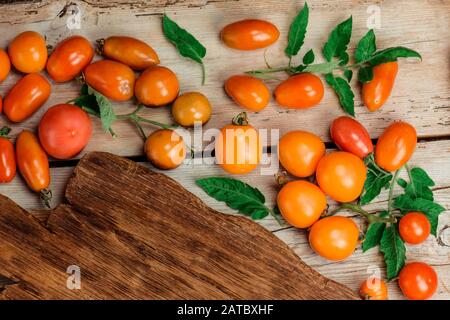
x=4 y=132
x=46 y=196
x=100 y=44
x=240 y=119
x=281 y=178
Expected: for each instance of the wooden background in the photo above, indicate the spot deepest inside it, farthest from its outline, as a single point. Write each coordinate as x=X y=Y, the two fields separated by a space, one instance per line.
x=421 y=95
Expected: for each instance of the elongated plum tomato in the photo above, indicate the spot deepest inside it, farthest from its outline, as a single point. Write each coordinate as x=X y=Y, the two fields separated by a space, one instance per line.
x=27 y=96
x=113 y=79
x=7 y=160
x=28 y=52
x=300 y=152
x=130 y=51
x=69 y=58
x=249 y=34
x=376 y=92
x=418 y=281
x=341 y=175
x=1 y=104
x=414 y=227
x=373 y=289
x=190 y=108
x=301 y=203
x=5 y=65
x=351 y=136
x=165 y=149
x=64 y=131
x=395 y=146
x=238 y=148
x=157 y=86
x=301 y=91
x=248 y=92
x=334 y=238
x=32 y=161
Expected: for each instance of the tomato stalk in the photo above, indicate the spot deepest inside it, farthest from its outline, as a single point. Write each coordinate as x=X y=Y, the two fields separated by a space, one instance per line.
x=357 y=209
x=391 y=191
x=46 y=196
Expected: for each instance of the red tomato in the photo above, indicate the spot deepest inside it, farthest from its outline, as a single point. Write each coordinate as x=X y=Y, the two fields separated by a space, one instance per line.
x=130 y=51
x=5 y=65
x=376 y=92
x=351 y=136
x=418 y=281
x=28 y=52
x=64 y=131
x=414 y=227
x=69 y=58
x=27 y=96
x=112 y=79
x=157 y=86
x=7 y=160
x=1 y=104
x=301 y=91
x=249 y=34
x=395 y=146
x=248 y=92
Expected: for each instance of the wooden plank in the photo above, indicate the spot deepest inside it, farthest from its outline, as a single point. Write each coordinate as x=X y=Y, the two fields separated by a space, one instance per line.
x=416 y=98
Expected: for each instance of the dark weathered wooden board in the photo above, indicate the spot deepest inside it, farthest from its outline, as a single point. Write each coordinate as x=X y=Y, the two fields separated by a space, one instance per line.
x=119 y=229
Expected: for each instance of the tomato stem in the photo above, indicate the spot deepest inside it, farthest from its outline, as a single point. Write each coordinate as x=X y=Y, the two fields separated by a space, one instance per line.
x=46 y=196
x=369 y=216
x=391 y=191
x=203 y=73
x=240 y=119
x=275 y=216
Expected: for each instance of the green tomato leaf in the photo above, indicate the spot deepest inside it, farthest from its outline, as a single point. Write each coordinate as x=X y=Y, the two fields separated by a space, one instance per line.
x=374 y=233
x=297 y=32
x=366 y=47
x=344 y=92
x=348 y=74
x=188 y=46
x=338 y=41
x=393 y=248
x=376 y=180
x=365 y=74
x=402 y=183
x=392 y=54
x=309 y=57
x=237 y=195
x=106 y=111
x=325 y=68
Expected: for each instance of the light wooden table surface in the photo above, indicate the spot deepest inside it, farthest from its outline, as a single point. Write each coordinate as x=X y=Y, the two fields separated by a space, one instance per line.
x=421 y=95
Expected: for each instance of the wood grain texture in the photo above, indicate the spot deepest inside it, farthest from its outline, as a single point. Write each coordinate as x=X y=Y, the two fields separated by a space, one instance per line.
x=421 y=95
x=129 y=243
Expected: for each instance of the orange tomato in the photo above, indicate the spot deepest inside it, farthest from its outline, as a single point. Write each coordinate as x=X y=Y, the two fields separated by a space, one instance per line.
x=27 y=96
x=334 y=238
x=190 y=108
x=1 y=104
x=418 y=281
x=130 y=51
x=157 y=86
x=341 y=175
x=165 y=149
x=373 y=289
x=7 y=160
x=248 y=92
x=28 y=52
x=395 y=146
x=32 y=161
x=414 y=227
x=376 y=92
x=301 y=203
x=69 y=58
x=249 y=34
x=238 y=148
x=112 y=79
x=301 y=91
x=5 y=65
x=300 y=152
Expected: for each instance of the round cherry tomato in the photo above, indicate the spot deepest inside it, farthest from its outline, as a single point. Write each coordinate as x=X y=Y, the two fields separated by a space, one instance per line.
x=395 y=146
x=69 y=58
x=341 y=175
x=373 y=289
x=334 y=238
x=248 y=92
x=301 y=91
x=64 y=131
x=238 y=148
x=249 y=34
x=191 y=107
x=130 y=51
x=5 y=65
x=7 y=160
x=157 y=86
x=28 y=52
x=165 y=149
x=113 y=79
x=351 y=136
x=300 y=152
x=27 y=96
x=32 y=161
x=418 y=281
x=414 y=227
x=301 y=203
x=376 y=92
